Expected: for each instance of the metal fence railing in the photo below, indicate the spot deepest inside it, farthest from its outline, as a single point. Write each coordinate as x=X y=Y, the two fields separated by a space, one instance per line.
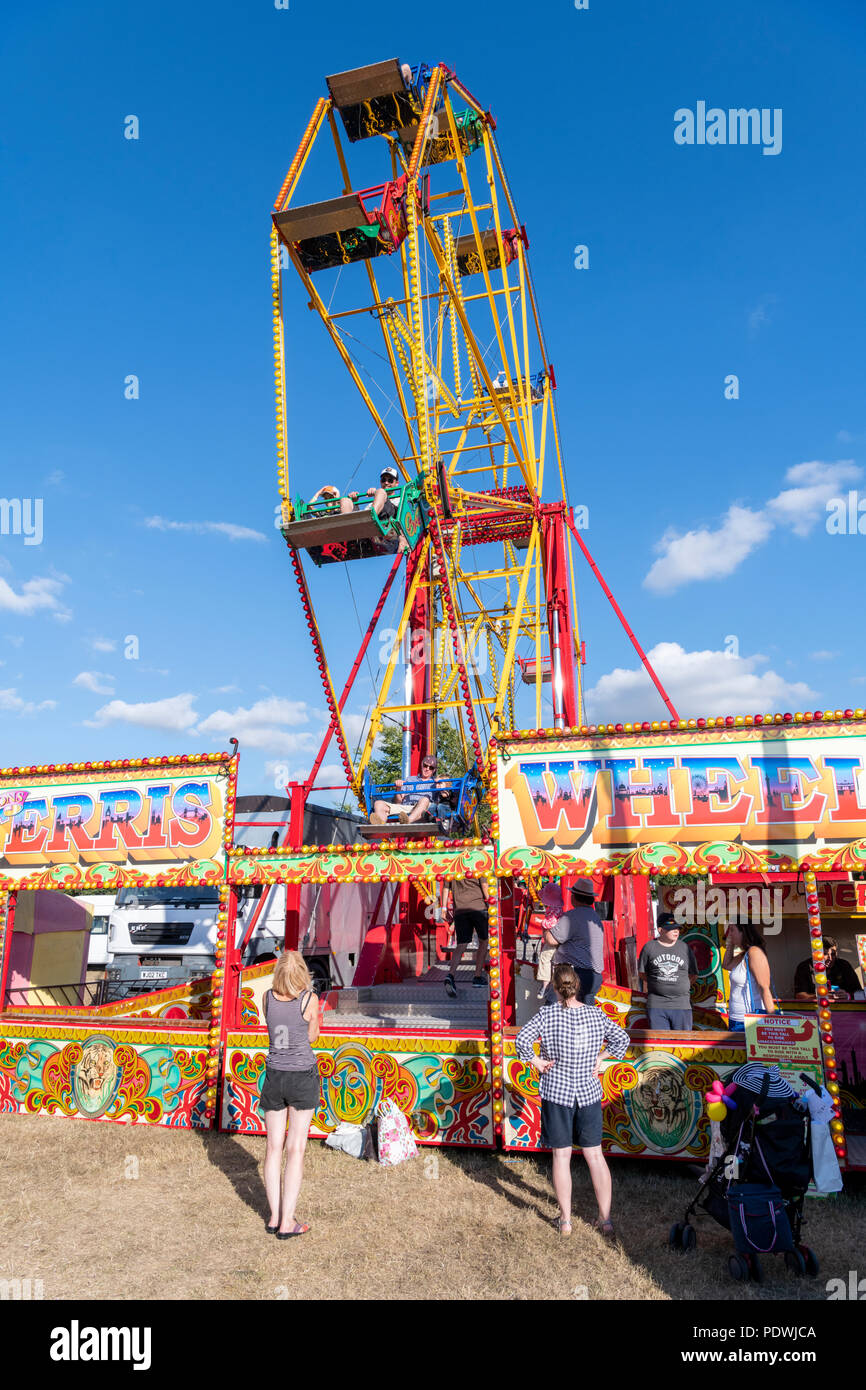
x=84 y=993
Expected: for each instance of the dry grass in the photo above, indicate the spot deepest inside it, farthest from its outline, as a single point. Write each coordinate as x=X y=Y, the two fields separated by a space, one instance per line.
x=449 y=1224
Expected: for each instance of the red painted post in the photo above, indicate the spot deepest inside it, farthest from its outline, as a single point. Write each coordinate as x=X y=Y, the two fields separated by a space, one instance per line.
x=298 y=793
x=6 y=945
x=508 y=949
x=559 y=616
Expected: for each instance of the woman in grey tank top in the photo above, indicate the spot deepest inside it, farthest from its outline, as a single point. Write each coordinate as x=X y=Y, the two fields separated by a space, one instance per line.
x=291 y=1085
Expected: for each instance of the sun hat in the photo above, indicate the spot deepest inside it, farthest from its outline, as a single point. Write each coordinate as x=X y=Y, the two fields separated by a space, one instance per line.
x=750 y=1077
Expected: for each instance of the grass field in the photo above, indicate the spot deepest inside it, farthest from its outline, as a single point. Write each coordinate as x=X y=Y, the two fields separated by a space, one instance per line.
x=116 y=1211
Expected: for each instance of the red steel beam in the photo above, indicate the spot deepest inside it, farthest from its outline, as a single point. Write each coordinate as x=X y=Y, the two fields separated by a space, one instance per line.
x=619 y=613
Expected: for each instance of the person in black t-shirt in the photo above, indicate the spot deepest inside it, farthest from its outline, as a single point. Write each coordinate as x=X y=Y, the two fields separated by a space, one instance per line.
x=668 y=970
x=840 y=975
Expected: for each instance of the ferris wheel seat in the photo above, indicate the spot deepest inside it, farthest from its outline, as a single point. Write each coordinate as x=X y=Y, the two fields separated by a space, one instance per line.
x=354 y=227
x=440 y=147
x=529 y=670
x=469 y=262
x=375 y=99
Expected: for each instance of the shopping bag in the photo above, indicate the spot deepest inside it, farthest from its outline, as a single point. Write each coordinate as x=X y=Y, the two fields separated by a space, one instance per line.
x=352 y=1139
x=825 y=1165
x=396 y=1141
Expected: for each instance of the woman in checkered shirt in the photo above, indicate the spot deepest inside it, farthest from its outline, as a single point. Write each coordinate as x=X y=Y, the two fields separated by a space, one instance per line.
x=574 y=1037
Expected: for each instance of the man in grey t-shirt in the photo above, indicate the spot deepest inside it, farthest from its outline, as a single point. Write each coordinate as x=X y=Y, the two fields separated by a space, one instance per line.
x=578 y=936
x=668 y=970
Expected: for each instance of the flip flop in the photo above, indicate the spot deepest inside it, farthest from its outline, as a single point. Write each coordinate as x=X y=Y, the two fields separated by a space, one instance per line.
x=300 y=1230
x=271 y=1230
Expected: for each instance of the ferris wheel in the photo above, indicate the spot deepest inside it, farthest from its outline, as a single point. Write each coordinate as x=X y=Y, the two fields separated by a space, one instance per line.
x=429 y=269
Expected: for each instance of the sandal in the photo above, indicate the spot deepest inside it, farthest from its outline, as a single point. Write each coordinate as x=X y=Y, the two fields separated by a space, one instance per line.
x=300 y=1230
x=604 y=1228
x=450 y=986
x=271 y=1230
x=563 y=1226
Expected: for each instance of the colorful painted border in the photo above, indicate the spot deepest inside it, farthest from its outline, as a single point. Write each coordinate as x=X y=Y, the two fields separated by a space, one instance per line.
x=442 y=1085
x=658 y=1074
x=124 y=1075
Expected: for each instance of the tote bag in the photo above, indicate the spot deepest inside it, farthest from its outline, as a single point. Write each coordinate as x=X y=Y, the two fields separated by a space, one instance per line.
x=396 y=1141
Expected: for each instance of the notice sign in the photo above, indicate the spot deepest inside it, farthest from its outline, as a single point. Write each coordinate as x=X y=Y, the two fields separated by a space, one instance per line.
x=783 y=1038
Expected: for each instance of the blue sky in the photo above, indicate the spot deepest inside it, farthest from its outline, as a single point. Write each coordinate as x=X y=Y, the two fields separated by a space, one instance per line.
x=150 y=257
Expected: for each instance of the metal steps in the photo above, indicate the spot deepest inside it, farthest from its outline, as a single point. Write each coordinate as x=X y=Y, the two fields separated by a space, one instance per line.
x=420 y=1003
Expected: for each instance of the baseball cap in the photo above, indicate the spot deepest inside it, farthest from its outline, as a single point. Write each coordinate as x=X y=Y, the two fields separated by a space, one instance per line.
x=389 y=473
x=666 y=921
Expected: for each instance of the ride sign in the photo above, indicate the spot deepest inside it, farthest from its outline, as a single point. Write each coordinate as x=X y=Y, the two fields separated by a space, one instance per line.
x=71 y=828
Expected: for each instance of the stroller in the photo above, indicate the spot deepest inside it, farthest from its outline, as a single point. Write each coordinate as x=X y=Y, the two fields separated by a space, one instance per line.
x=757 y=1187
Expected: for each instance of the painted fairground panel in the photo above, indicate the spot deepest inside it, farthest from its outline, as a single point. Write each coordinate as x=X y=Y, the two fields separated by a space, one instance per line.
x=100 y=1072
x=442 y=1084
x=686 y=801
x=396 y=861
x=653 y=1101
x=114 y=874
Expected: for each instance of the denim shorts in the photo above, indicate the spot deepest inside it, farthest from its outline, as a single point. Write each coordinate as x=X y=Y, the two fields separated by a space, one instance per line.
x=567 y=1126
x=298 y=1089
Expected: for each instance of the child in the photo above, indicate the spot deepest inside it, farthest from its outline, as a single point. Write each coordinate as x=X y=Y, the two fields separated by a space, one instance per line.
x=551 y=899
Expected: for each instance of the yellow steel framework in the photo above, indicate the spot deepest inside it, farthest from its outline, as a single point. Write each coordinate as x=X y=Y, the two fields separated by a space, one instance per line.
x=473 y=393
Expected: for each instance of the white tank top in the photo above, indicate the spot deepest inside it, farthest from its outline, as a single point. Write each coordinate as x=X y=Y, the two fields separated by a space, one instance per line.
x=739 y=1003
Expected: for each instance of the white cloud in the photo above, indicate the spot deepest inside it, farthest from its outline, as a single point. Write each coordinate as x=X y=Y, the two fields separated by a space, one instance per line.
x=103 y=644
x=707 y=554
x=226 y=690
x=95 y=681
x=258 y=726
x=34 y=595
x=823 y=656
x=698 y=683
x=11 y=702
x=272 y=724
x=175 y=714
x=55 y=478
x=760 y=315
x=714 y=553
x=355 y=726
x=803 y=504
x=201 y=528
x=14 y=641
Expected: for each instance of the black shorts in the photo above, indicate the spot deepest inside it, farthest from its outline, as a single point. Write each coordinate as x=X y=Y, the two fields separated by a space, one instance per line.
x=465 y=923
x=567 y=1126
x=298 y=1089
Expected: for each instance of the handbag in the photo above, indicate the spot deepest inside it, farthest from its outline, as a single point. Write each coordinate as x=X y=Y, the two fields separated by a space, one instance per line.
x=759 y=1221
x=356 y=1140
x=396 y=1141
